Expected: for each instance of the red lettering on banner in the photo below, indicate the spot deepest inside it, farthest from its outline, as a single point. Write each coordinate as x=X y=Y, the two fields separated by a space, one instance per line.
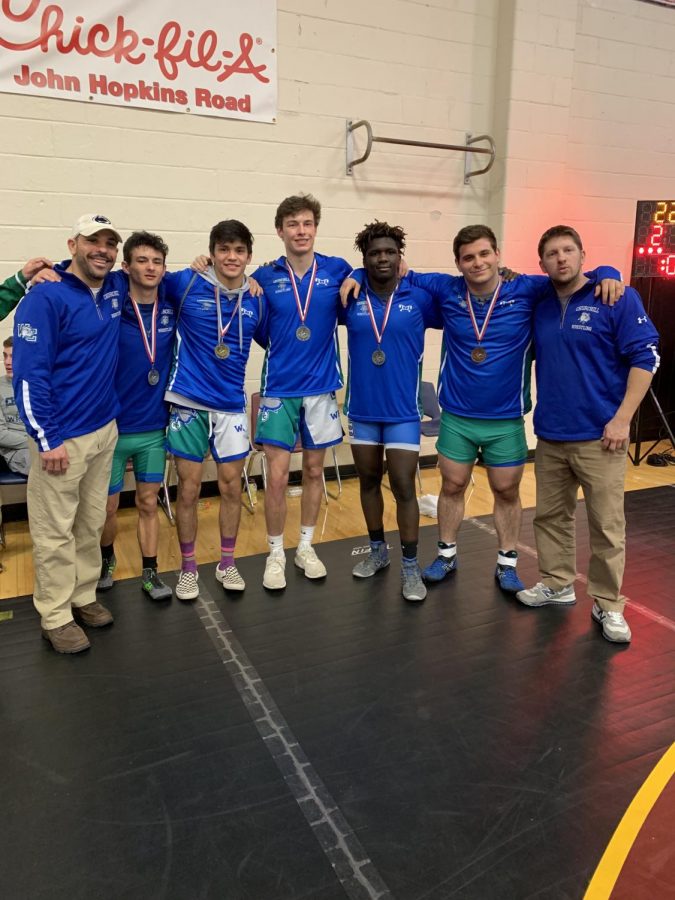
x=206 y=98
x=136 y=90
x=120 y=42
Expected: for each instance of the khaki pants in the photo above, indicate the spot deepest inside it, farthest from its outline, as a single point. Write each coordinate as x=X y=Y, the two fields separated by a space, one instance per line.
x=561 y=467
x=66 y=514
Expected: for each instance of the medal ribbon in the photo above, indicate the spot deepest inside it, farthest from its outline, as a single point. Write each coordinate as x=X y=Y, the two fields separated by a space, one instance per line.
x=223 y=331
x=291 y=274
x=150 y=351
x=379 y=334
x=480 y=334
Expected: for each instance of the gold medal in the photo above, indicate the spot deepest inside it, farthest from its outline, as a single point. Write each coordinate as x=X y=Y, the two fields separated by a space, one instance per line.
x=222 y=351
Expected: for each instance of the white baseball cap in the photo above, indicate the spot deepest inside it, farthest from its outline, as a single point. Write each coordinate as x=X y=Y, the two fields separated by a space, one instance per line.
x=91 y=223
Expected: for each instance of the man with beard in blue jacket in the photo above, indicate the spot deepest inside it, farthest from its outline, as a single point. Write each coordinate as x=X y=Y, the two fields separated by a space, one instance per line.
x=66 y=337
x=605 y=357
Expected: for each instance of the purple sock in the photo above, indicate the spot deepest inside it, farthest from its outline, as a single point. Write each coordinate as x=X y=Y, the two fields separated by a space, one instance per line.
x=227 y=551
x=188 y=560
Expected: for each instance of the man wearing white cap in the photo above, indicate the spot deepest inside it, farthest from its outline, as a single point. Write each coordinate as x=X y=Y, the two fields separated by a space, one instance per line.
x=66 y=337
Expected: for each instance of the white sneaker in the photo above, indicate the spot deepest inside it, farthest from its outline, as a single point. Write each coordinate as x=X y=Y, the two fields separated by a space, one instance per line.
x=187 y=587
x=230 y=578
x=540 y=595
x=274 y=578
x=307 y=560
x=614 y=626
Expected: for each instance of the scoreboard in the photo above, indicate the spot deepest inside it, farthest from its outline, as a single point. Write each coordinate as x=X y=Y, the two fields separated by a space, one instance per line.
x=654 y=242
x=653 y=276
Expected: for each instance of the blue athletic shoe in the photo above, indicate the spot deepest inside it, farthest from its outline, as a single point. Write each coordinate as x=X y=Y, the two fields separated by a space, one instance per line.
x=508 y=579
x=440 y=568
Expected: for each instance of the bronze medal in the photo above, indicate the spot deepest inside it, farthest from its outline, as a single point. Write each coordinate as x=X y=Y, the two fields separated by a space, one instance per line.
x=478 y=355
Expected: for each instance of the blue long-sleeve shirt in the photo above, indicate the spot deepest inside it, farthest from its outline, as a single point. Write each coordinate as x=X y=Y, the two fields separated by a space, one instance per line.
x=66 y=344
x=584 y=352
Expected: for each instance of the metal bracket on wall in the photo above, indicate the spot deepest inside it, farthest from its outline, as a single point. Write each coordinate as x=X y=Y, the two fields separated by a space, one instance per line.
x=467 y=149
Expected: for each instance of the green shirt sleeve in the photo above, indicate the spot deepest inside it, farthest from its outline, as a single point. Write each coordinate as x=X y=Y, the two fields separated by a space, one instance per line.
x=11 y=291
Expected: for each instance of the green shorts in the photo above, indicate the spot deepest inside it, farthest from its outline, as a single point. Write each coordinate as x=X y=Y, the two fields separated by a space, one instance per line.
x=147 y=450
x=499 y=442
x=315 y=420
x=193 y=433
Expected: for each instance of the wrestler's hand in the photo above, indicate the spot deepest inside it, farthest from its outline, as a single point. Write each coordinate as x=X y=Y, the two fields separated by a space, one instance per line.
x=55 y=462
x=508 y=274
x=33 y=266
x=349 y=286
x=403 y=269
x=200 y=264
x=44 y=275
x=254 y=289
x=616 y=434
x=610 y=290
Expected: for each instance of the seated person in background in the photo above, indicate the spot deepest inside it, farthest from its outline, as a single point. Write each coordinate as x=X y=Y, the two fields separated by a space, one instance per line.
x=13 y=437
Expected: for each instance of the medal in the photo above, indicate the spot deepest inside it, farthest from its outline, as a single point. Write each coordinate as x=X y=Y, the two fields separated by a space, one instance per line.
x=302 y=332
x=379 y=357
x=150 y=346
x=479 y=354
x=221 y=349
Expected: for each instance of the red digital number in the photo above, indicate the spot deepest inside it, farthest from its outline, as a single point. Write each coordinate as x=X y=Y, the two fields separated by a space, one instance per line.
x=667 y=264
x=656 y=235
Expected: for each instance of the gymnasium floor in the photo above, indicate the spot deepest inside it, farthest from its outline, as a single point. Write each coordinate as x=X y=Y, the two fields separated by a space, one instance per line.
x=333 y=741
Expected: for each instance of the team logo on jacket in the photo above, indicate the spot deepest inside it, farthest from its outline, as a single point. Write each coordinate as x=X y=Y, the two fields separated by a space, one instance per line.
x=27 y=332
x=584 y=319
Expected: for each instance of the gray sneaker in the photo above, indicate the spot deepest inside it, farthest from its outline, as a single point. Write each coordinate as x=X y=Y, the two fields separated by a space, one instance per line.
x=154 y=587
x=540 y=595
x=614 y=626
x=374 y=562
x=412 y=586
x=105 y=582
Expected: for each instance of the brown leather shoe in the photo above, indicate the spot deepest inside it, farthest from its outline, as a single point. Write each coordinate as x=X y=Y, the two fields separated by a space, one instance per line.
x=95 y=614
x=68 y=638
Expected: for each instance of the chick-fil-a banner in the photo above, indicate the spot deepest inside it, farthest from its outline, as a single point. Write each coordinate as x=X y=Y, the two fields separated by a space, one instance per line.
x=211 y=59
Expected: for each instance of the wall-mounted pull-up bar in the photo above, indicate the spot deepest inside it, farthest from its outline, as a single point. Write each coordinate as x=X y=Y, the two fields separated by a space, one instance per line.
x=468 y=149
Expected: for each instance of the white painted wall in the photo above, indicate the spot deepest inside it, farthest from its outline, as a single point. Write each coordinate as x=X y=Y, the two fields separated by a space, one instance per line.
x=414 y=69
x=579 y=95
x=587 y=122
